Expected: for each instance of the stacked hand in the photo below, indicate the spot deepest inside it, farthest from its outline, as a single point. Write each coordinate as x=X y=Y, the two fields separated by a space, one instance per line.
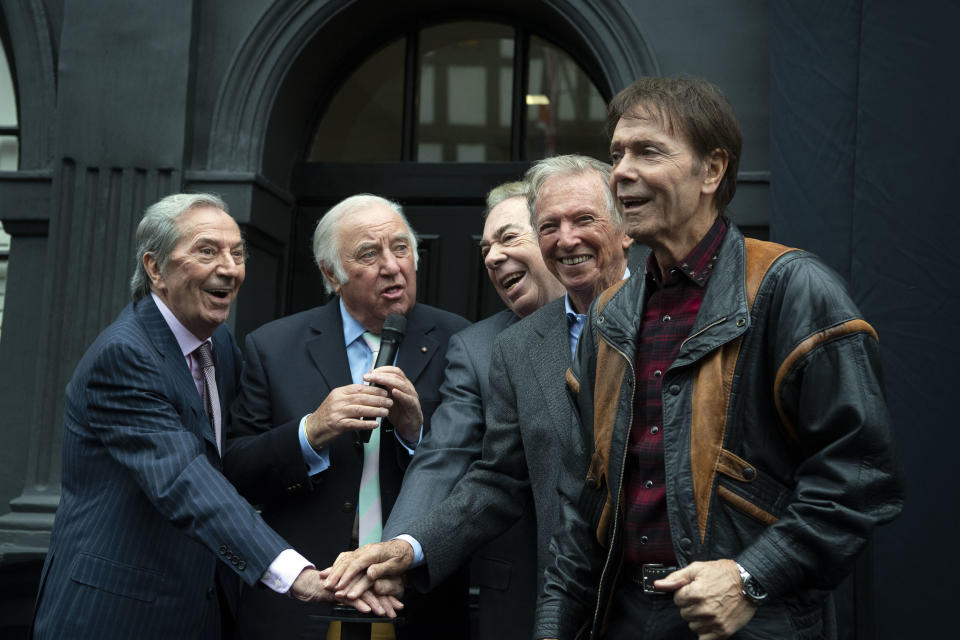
x=379 y=566
x=382 y=598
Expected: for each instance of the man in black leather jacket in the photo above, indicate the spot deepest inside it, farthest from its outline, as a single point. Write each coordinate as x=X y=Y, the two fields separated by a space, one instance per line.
x=731 y=406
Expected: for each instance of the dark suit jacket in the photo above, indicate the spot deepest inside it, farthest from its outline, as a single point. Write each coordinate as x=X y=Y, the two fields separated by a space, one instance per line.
x=291 y=366
x=526 y=448
x=144 y=510
x=504 y=569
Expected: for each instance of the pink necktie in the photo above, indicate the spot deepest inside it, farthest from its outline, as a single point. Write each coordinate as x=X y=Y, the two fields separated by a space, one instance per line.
x=211 y=398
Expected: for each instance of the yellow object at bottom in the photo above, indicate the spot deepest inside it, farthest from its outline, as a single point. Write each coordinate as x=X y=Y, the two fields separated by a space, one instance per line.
x=378 y=631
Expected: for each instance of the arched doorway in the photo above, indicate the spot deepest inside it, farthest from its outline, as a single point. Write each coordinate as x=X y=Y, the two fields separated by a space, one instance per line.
x=434 y=119
x=304 y=58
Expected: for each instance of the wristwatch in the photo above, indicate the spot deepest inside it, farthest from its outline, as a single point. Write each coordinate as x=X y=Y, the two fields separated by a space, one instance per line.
x=751 y=590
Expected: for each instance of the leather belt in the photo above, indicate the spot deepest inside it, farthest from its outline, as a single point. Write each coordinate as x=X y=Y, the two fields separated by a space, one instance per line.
x=644 y=575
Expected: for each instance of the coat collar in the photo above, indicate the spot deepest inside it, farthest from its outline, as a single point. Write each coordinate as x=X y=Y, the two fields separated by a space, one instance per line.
x=722 y=317
x=175 y=364
x=416 y=350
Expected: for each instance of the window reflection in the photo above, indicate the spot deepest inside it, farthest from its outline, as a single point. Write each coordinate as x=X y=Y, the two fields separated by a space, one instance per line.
x=463 y=97
x=465 y=102
x=565 y=112
x=364 y=122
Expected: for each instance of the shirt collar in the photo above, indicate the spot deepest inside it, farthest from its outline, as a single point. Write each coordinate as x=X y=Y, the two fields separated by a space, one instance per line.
x=351 y=328
x=698 y=264
x=185 y=339
x=569 y=307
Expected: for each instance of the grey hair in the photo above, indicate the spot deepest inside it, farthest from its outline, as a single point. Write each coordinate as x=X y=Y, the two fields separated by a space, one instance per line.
x=504 y=192
x=326 y=239
x=158 y=233
x=568 y=165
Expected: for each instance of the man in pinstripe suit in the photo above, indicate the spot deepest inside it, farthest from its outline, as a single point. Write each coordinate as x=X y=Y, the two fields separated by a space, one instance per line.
x=145 y=511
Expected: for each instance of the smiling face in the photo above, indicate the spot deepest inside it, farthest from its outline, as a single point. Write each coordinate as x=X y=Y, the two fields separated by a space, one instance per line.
x=204 y=271
x=580 y=244
x=664 y=189
x=376 y=252
x=513 y=259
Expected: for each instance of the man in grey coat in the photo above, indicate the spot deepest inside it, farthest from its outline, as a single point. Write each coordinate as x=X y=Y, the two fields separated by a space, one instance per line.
x=529 y=419
x=505 y=569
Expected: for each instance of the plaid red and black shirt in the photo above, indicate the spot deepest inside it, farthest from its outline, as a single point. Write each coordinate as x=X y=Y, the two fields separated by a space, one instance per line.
x=669 y=313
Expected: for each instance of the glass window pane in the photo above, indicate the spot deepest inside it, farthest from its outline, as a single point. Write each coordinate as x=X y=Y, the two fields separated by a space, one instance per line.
x=364 y=122
x=565 y=111
x=463 y=95
x=9 y=148
x=4 y=250
x=8 y=104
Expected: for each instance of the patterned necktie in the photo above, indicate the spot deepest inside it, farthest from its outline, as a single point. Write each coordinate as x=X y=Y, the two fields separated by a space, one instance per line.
x=211 y=398
x=368 y=505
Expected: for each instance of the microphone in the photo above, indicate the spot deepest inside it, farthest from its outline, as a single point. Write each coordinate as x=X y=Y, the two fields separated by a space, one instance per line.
x=394 y=328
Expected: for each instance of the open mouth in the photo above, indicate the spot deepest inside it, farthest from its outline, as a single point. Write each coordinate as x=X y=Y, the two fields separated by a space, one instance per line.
x=573 y=260
x=630 y=202
x=512 y=279
x=393 y=291
x=222 y=294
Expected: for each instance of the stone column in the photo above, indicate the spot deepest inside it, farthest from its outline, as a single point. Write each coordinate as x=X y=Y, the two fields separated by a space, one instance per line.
x=122 y=117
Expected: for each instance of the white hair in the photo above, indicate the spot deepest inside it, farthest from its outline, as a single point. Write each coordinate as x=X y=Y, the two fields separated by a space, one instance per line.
x=326 y=239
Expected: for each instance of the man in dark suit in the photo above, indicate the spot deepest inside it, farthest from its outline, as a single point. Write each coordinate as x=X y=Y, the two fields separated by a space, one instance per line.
x=144 y=512
x=505 y=569
x=529 y=417
x=295 y=447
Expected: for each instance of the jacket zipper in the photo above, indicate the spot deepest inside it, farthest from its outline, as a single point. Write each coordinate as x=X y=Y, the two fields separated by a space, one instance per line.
x=623 y=466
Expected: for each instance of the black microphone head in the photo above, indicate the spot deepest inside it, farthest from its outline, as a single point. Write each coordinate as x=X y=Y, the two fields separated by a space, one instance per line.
x=394 y=327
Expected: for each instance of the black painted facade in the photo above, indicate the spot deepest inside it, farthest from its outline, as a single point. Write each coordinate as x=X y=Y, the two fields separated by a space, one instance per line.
x=124 y=101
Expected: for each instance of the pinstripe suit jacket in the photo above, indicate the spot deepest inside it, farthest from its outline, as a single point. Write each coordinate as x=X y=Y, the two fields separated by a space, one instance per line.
x=144 y=511
x=526 y=448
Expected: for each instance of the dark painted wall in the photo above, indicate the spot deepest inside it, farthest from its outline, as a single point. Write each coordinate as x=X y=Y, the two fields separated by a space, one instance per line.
x=864 y=162
x=847 y=104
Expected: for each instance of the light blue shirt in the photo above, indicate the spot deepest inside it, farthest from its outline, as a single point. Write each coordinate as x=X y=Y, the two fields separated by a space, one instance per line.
x=576 y=320
x=360 y=358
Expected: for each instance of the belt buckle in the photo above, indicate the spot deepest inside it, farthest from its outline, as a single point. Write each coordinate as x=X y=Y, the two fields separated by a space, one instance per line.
x=651 y=572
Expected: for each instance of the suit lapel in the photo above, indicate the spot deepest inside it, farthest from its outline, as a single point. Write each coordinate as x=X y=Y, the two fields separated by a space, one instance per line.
x=174 y=365
x=326 y=347
x=550 y=355
x=418 y=346
x=223 y=359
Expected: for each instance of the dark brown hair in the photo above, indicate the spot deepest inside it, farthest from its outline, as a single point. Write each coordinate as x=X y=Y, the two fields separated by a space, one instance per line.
x=690 y=107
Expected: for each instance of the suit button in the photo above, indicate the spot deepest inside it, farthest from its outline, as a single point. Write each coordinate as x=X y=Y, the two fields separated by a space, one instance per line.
x=674 y=389
x=223 y=549
x=234 y=560
x=347 y=507
x=749 y=473
x=686 y=544
x=241 y=565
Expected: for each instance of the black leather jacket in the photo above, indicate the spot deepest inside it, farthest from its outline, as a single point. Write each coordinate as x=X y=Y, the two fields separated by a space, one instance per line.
x=777 y=442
